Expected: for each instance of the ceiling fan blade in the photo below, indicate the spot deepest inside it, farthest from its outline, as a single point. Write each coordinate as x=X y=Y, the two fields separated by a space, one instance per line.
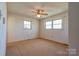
x=44 y=14
x=34 y=11
x=39 y=11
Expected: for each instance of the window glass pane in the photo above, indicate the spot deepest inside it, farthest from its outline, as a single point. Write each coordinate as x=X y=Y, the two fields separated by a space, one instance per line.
x=27 y=24
x=48 y=24
x=57 y=24
x=57 y=21
x=57 y=27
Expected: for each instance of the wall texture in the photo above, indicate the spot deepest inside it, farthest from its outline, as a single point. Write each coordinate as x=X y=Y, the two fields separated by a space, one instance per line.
x=56 y=35
x=16 y=31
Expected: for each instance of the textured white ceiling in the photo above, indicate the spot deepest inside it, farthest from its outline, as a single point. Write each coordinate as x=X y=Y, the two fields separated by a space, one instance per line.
x=25 y=8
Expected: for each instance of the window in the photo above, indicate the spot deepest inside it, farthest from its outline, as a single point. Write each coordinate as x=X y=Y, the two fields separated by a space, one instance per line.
x=27 y=25
x=57 y=24
x=48 y=24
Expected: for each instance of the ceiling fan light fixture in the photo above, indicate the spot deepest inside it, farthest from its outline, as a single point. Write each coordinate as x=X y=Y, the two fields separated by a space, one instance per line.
x=38 y=15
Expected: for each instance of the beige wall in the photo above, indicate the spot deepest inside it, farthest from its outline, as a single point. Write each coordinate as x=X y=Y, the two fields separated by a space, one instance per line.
x=56 y=35
x=16 y=30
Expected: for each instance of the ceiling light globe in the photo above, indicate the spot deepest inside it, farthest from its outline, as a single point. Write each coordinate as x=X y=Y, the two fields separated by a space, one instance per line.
x=38 y=15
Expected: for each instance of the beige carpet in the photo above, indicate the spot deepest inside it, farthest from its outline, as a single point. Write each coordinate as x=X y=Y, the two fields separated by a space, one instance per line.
x=36 y=47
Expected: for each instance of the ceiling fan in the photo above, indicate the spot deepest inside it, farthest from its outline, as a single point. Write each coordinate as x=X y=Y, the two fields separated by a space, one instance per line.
x=39 y=12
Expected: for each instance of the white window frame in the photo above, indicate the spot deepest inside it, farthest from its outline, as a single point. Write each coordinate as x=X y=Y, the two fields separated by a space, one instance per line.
x=57 y=24
x=46 y=25
x=26 y=25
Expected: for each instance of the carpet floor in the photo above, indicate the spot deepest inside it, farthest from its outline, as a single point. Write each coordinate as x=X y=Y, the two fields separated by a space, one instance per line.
x=36 y=47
